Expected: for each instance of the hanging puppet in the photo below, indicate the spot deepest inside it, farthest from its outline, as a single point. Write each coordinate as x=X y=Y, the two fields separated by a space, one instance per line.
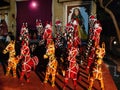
x=39 y=28
x=96 y=72
x=52 y=64
x=73 y=68
x=12 y=61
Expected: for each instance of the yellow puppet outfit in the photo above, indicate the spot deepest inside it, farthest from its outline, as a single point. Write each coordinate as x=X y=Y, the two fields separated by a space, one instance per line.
x=52 y=64
x=96 y=73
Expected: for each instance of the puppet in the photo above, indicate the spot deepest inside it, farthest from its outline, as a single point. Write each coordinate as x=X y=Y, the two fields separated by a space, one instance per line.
x=52 y=64
x=96 y=72
x=47 y=36
x=69 y=35
x=12 y=61
x=39 y=28
x=73 y=68
x=58 y=34
x=94 y=39
x=24 y=34
x=28 y=61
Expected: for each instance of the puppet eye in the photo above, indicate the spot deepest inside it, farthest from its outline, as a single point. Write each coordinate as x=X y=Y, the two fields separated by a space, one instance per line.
x=10 y=48
x=103 y=50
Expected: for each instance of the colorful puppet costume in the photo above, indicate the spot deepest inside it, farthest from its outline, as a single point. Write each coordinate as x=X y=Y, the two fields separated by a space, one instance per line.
x=73 y=68
x=52 y=64
x=96 y=73
x=28 y=62
x=12 y=61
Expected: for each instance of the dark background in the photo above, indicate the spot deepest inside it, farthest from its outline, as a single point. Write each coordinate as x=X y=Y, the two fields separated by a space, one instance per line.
x=27 y=14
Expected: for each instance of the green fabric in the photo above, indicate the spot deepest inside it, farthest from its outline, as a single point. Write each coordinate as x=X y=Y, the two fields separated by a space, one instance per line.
x=82 y=33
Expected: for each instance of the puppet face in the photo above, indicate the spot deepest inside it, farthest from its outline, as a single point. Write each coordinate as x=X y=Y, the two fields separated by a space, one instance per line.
x=9 y=47
x=25 y=50
x=100 y=52
x=92 y=19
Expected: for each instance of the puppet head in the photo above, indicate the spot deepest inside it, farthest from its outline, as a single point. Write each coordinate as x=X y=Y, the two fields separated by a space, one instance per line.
x=58 y=22
x=92 y=20
x=25 y=49
x=50 y=49
x=100 y=52
x=9 y=47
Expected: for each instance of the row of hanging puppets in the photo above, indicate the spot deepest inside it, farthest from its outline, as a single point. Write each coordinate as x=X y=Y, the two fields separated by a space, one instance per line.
x=94 y=53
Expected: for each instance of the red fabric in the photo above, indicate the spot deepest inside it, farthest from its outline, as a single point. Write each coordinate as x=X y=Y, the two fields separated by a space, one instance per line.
x=76 y=34
x=91 y=58
x=37 y=23
x=92 y=17
x=73 y=66
x=28 y=62
x=58 y=22
x=96 y=32
x=47 y=35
